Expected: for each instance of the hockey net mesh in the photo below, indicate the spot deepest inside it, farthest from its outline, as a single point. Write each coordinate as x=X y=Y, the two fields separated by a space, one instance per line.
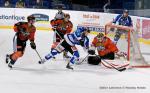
x=128 y=46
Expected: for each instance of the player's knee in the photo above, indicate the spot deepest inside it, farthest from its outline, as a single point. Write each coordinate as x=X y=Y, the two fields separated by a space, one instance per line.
x=54 y=45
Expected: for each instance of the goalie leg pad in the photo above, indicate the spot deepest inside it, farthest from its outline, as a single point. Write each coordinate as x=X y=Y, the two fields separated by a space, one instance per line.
x=110 y=56
x=94 y=60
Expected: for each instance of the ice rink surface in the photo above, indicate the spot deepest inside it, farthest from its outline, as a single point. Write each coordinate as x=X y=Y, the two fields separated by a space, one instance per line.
x=52 y=77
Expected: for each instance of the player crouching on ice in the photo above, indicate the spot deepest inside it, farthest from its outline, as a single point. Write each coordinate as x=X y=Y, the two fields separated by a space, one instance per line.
x=24 y=31
x=105 y=47
x=79 y=37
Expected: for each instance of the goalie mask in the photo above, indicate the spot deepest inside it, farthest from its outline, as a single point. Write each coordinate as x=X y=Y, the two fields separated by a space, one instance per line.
x=100 y=37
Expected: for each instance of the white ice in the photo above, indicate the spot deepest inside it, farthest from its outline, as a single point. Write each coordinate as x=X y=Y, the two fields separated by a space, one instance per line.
x=52 y=77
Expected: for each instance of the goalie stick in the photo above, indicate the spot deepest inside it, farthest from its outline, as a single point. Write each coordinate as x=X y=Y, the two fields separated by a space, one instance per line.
x=118 y=69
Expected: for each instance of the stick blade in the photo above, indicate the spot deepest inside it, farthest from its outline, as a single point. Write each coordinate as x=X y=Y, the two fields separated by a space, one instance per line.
x=122 y=69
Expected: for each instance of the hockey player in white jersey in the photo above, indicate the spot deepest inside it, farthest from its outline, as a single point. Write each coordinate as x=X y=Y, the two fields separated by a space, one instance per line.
x=78 y=37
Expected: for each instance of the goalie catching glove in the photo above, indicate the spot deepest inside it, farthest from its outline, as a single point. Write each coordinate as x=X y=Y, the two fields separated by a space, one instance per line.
x=94 y=60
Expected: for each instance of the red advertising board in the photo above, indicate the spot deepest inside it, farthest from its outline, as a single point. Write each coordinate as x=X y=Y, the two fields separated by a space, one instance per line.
x=146 y=29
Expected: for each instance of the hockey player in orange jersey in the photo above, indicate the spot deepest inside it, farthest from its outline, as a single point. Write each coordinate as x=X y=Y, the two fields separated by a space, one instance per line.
x=105 y=47
x=60 y=28
x=24 y=31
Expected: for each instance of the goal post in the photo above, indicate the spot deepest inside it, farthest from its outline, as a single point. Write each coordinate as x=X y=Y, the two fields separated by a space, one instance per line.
x=128 y=43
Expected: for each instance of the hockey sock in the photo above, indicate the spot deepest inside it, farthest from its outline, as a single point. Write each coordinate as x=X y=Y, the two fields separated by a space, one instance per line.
x=75 y=57
x=52 y=54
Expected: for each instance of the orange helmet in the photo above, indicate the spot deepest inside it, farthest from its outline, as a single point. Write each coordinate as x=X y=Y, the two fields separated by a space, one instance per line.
x=100 y=35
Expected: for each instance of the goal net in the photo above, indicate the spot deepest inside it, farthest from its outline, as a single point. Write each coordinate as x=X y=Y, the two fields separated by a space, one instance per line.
x=128 y=45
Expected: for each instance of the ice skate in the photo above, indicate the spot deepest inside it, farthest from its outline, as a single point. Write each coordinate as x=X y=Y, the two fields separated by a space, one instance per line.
x=7 y=58
x=10 y=65
x=69 y=67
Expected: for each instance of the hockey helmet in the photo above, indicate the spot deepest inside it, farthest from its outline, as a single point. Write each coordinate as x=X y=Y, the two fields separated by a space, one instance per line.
x=67 y=15
x=125 y=11
x=31 y=17
x=86 y=29
x=59 y=7
x=100 y=35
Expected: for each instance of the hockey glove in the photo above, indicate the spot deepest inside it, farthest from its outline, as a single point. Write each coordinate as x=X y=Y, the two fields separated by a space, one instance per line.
x=92 y=52
x=81 y=42
x=33 y=45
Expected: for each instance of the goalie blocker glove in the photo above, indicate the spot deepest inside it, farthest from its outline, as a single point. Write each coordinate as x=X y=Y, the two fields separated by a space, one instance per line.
x=92 y=52
x=94 y=60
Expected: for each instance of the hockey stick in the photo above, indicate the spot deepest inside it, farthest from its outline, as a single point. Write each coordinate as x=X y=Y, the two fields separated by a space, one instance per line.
x=58 y=33
x=119 y=68
x=82 y=60
x=38 y=54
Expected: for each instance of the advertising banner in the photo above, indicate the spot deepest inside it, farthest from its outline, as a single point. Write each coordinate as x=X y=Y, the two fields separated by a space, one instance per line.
x=146 y=29
x=95 y=21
